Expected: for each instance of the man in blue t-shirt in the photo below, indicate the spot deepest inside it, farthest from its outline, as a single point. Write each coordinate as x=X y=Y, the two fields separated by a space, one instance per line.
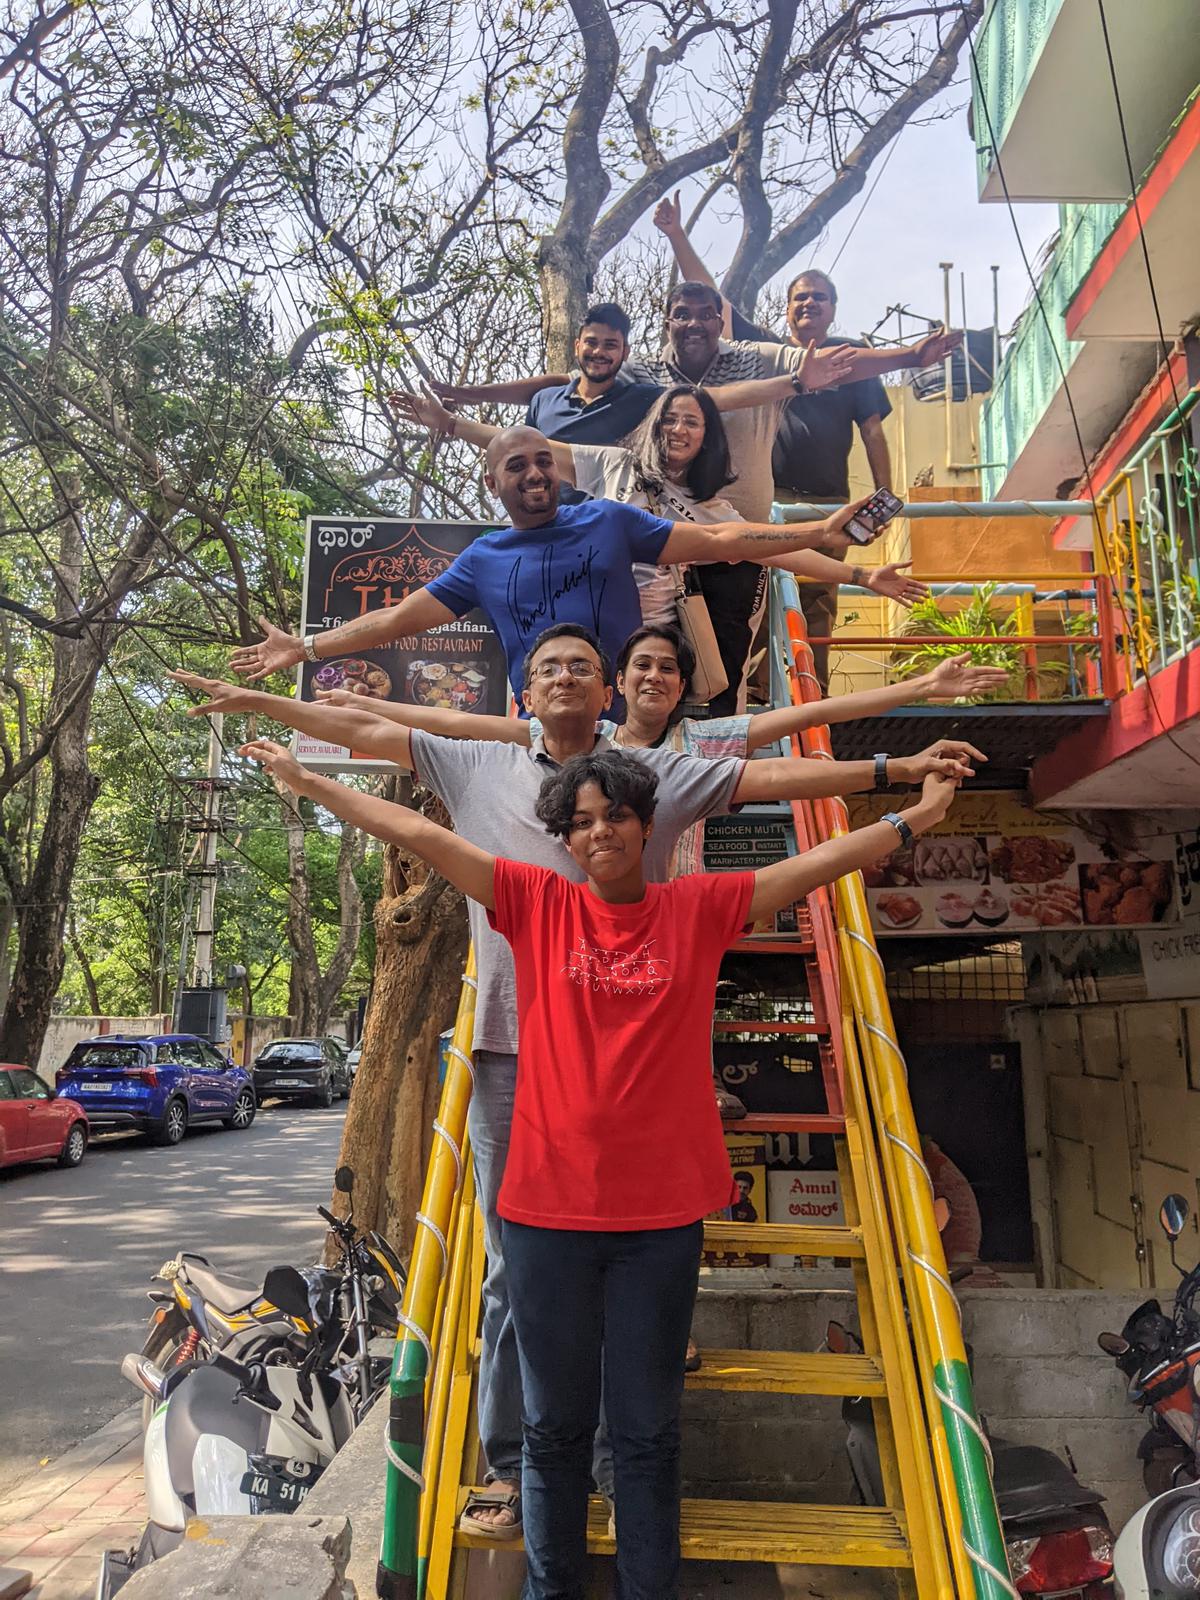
x=552 y=564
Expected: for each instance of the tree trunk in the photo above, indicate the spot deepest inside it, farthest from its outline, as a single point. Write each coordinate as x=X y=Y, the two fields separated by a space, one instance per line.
x=41 y=952
x=8 y=921
x=302 y=981
x=352 y=849
x=421 y=934
x=565 y=270
x=85 y=966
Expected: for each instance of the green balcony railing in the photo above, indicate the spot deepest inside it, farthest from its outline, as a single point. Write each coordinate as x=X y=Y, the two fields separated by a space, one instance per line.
x=1007 y=45
x=1031 y=373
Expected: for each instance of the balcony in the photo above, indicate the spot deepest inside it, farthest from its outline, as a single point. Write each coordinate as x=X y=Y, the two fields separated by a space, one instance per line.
x=1113 y=299
x=1147 y=753
x=1044 y=91
x=1027 y=426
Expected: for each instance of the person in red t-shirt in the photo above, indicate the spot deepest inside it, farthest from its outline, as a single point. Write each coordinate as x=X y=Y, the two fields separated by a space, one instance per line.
x=616 y=980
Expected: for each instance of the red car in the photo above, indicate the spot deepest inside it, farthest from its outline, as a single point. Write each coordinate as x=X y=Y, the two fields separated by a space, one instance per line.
x=36 y=1124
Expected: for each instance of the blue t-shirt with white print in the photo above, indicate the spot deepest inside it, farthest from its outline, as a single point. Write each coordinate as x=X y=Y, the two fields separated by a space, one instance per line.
x=578 y=568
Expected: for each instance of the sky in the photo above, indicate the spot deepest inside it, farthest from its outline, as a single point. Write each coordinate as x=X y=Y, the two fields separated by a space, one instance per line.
x=924 y=209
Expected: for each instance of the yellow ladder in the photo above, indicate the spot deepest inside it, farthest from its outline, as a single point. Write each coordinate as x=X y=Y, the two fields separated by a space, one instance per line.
x=938 y=1532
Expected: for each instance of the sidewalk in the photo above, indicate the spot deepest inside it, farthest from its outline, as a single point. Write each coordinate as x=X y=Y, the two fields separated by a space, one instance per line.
x=57 y=1521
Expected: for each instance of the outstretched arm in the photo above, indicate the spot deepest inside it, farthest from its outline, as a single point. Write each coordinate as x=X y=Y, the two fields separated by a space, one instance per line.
x=668 y=219
x=432 y=719
x=429 y=412
x=465 y=865
x=416 y=613
x=354 y=726
x=756 y=541
x=796 y=778
x=784 y=882
x=890 y=580
x=950 y=680
x=873 y=361
x=816 y=369
x=519 y=392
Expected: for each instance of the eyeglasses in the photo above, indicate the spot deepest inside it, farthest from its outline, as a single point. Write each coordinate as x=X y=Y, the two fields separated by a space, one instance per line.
x=700 y=314
x=546 y=670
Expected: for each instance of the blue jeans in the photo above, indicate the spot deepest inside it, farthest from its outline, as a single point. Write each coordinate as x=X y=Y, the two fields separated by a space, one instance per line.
x=593 y=1311
x=498 y=1392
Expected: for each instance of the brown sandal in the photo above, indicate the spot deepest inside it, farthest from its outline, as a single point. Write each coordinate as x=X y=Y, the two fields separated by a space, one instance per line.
x=492 y=1499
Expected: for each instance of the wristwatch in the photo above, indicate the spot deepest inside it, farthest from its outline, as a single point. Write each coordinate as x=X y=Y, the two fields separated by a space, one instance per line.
x=310 y=648
x=881 y=777
x=901 y=827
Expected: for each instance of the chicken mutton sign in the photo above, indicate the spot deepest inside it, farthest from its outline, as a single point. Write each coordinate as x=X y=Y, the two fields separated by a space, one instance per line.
x=355 y=565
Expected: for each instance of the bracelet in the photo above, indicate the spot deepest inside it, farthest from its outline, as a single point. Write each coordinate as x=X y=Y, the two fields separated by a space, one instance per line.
x=901 y=827
x=881 y=777
x=310 y=648
x=798 y=383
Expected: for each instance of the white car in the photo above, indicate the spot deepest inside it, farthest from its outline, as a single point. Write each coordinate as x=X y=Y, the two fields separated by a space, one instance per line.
x=352 y=1060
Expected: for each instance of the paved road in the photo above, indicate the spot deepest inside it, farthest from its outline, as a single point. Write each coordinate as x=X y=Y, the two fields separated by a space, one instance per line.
x=77 y=1249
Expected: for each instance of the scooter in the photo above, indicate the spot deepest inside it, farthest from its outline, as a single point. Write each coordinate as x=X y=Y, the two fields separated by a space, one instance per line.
x=1158 y=1554
x=1160 y=1356
x=1057 y=1536
x=240 y=1318
x=232 y=1438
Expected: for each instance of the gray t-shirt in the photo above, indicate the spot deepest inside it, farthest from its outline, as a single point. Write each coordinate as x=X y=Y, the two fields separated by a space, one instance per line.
x=490 y=789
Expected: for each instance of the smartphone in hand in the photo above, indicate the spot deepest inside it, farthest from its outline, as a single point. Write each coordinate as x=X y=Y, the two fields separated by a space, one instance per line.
x=867 y=523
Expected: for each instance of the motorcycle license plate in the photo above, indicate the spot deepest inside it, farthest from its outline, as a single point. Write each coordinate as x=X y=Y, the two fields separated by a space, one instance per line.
x=283 y=1493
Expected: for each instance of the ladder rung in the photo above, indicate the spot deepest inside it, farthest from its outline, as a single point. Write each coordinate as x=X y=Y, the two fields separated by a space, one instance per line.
x=787 y=1372
x=781 y=945
x=760 y=1530
x=731 y=1025
x=785 y=1122
x=784 y=1238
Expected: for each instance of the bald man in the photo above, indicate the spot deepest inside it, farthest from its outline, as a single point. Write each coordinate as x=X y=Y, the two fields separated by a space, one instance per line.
x=552 y=564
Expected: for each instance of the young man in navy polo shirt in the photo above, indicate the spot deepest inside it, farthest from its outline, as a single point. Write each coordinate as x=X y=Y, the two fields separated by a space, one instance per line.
x=601 y=405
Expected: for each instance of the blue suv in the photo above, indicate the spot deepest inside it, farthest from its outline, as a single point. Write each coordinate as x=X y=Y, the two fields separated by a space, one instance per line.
x=159 y=1084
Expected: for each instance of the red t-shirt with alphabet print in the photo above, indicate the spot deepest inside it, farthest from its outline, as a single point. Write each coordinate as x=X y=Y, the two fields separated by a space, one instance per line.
x=615 y=1124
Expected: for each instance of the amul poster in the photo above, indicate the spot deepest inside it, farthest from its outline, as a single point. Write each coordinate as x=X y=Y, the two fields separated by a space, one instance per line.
x=994 y=864
x=356 y=565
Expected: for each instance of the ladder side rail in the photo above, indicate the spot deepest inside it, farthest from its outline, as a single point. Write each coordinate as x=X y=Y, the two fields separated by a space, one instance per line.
x=963 y=1465
x=397 y=1573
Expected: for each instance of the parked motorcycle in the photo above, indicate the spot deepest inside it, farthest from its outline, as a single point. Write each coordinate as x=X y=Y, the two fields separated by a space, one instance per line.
x=1158 y=1554
x=365 y=1291
x=234 y=1438
x=1160 y=1356
x=1057 y=1535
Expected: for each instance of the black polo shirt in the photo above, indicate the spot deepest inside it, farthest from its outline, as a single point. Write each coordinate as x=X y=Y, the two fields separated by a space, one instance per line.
x=816 y=432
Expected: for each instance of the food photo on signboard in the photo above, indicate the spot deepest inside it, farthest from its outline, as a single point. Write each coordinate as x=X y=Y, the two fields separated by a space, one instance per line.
x=353 y=566
x=1000 y=866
